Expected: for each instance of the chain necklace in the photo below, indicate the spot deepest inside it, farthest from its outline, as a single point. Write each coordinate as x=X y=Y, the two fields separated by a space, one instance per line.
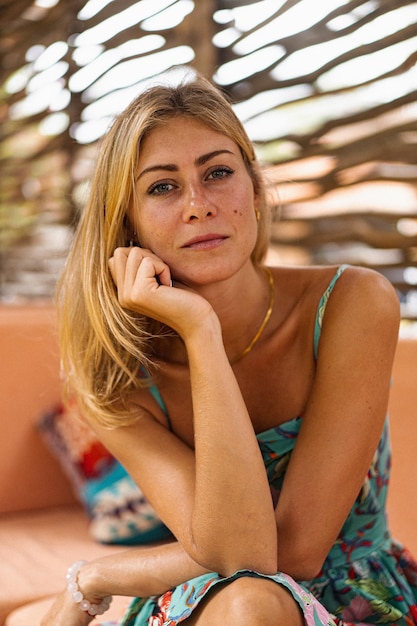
x=264 y=321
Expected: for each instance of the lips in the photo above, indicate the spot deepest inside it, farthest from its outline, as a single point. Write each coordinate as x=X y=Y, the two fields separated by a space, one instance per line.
x=205 y=242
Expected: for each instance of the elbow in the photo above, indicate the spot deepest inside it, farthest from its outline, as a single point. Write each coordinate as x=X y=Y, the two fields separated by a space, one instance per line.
x=305 y=571
x=227 y=559
x=303 y=565
x=229 y=566
x=301 y=554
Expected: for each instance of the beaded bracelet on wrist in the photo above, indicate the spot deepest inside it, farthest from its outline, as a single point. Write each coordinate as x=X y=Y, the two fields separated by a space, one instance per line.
x=77 y=596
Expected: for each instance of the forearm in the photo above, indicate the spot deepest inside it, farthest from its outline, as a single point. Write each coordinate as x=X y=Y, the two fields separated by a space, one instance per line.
x=136 y=572
x=233 y=523
x=142 y=572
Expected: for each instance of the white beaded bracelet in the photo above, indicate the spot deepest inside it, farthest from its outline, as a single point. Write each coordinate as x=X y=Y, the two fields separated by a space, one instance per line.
x=77 y=596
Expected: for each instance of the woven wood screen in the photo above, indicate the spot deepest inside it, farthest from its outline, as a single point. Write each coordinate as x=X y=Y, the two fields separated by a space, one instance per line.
x=327 y=90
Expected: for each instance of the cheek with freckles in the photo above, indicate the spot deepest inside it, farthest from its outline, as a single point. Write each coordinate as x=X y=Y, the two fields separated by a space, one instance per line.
x=153 y=231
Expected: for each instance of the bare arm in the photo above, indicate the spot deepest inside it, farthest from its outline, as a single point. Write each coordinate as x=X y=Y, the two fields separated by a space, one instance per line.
x=140 y=572
x=342 y=423
x=232 y=506
x=217 y=500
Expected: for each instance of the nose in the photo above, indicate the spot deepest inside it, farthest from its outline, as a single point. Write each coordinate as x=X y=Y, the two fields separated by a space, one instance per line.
x=197 y=205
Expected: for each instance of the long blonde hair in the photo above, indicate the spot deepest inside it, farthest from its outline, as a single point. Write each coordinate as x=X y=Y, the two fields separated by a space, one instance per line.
x=103 y=346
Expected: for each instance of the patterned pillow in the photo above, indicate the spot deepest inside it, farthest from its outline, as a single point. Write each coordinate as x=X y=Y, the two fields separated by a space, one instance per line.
x=118 y=511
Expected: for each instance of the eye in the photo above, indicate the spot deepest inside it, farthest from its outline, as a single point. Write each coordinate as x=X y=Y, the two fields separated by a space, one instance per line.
x=160 y=188
x=219 y=173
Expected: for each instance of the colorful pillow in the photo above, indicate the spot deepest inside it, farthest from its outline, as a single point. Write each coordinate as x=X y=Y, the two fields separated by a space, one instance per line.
x=117 y=508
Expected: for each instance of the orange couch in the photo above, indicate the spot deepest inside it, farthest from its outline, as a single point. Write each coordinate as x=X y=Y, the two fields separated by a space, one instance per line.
x=42 y=527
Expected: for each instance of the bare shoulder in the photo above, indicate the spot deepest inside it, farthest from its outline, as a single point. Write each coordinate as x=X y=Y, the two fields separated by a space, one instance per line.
x=367 y=291
x=358 y=283
x=363 y=302
x=361 y=299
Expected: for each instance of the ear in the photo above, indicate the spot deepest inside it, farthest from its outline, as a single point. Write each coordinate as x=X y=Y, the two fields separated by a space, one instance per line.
x=130 y=232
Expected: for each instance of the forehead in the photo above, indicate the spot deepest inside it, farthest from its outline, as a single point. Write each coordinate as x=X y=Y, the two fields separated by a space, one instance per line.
x=183 y=134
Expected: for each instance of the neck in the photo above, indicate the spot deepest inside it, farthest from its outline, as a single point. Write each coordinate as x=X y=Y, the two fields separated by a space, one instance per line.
x=256 y=337
x=252 y=309
x=241 y=304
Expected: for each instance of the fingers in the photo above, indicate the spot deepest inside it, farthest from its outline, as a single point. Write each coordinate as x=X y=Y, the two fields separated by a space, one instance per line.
x=142 y=279
x=152 y=269
x=125 y=263
x=117 y=263
x=135 y=272
x=65 y=612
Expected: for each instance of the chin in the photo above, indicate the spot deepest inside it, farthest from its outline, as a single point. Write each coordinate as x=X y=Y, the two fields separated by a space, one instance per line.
x=209 y=274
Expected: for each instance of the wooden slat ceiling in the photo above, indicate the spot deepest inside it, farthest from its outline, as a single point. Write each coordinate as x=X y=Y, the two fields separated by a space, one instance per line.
x=327 y=90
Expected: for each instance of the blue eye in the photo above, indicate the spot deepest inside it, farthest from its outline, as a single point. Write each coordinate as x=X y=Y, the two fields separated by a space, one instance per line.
x=158 y=189
x=218 y=173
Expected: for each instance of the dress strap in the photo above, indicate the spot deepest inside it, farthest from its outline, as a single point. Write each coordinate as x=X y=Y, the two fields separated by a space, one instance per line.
x=322 y=307
x=156 y=394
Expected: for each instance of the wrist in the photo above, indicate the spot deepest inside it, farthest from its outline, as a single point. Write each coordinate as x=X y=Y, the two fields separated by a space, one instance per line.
x=206 y=330
x=90 y=582
x=91 y=604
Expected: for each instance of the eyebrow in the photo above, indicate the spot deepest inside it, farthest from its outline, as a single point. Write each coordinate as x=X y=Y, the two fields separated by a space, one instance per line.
x=171 y=167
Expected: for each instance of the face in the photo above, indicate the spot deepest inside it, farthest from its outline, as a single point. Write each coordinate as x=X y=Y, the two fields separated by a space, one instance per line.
x=195 y=202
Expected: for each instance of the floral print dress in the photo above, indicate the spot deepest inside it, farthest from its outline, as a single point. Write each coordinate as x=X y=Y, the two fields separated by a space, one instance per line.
x=367 y=578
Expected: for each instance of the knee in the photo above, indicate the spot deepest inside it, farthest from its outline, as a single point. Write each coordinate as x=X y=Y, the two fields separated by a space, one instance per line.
x=260 y=602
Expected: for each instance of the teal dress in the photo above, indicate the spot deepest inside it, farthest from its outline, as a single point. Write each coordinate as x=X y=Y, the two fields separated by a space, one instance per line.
x=367 y=577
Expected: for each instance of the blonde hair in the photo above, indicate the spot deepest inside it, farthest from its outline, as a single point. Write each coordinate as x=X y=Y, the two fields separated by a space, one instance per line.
x=103 y=346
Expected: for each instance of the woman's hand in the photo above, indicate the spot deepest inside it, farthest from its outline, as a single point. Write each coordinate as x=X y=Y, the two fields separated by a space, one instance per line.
x=144 y=285
x=65 y=612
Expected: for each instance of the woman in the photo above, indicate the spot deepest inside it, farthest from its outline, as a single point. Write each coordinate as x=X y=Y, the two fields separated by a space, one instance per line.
x=247 y=402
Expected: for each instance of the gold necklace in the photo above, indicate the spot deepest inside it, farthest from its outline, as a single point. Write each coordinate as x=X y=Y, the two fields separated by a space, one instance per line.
x=264 y=321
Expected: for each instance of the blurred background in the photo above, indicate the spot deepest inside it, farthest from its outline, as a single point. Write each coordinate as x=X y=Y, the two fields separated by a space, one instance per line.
x=327 y=90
